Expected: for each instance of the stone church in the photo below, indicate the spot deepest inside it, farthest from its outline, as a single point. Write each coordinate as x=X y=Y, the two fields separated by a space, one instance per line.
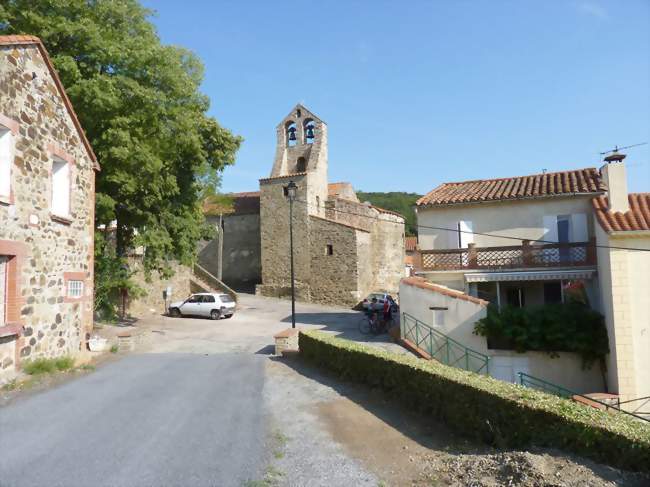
x=343 y=248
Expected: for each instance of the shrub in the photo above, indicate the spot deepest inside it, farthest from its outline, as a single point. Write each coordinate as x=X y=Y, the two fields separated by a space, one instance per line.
x=496 y=412
x=47 y=365
x=571 y=327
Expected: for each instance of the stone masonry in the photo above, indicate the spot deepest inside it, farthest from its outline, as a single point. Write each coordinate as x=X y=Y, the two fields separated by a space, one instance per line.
x=343 y=249
x=43 y=251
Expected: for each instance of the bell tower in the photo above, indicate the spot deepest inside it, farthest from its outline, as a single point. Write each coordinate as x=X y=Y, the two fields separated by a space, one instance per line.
x=302 y=148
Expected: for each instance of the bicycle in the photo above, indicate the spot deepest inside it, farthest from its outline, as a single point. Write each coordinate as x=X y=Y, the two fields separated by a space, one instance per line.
x=374 y=326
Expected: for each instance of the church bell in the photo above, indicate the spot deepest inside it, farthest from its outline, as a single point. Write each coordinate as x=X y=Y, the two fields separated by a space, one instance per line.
x=310 y=132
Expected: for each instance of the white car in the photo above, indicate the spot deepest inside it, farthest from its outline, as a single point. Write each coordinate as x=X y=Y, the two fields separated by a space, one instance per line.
x=213 y=306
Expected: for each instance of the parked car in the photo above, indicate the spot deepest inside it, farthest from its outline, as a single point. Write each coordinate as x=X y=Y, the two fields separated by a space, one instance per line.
x=213 y=306
x=379 y=305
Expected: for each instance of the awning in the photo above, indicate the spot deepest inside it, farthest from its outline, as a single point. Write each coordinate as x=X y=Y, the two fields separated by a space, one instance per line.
x=546 y=275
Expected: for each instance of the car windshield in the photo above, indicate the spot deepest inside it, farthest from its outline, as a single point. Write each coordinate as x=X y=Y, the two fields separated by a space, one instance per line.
x=376 y=296
x=226 y=299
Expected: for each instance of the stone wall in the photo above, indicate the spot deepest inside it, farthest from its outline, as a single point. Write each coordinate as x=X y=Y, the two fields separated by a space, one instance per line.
x=387 y=252
x=153 y=303
x=274 y=234
x=242 y=253
x=44 y=251
x=334 y=278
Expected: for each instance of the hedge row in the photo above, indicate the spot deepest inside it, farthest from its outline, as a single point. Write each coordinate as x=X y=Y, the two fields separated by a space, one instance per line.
x=493 y=411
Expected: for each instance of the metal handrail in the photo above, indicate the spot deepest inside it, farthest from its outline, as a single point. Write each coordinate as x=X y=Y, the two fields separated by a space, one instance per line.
x=443 y=348
x=530 y=381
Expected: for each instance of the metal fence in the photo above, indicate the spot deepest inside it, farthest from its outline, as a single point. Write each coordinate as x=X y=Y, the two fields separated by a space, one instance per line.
x=545 y=386
x=442 y=348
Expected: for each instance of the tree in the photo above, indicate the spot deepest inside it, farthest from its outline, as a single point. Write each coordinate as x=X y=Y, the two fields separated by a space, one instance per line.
x=402 y=203
x=139 y=102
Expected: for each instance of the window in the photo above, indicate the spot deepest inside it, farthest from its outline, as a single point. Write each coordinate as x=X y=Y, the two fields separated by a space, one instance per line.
x=226 y=299
x=552 y=292
x=309 y=128
x=3 y=288
x=6 y=160
x=61 y=187
x=329 y=250
x=75 y=289
x=301 y=165
x=515 y=297
x=290 y=129
x=208 y=299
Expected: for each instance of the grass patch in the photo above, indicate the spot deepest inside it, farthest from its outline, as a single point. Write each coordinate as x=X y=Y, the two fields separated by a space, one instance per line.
x=114 y=348
x=493 y=411
x=47 y=365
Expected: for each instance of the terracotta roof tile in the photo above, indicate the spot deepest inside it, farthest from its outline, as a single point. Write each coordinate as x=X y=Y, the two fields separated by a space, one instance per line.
x=18 y=40
x=637 y=218
x=452 y=293
x=579 y=181
x=286 y=176
x=410 y=244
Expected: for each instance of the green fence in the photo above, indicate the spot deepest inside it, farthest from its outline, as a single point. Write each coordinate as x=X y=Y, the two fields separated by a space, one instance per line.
x=441 y=347
x=542 y=385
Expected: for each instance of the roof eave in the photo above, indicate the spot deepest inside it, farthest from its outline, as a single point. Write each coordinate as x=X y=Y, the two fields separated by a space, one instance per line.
x=506 y=200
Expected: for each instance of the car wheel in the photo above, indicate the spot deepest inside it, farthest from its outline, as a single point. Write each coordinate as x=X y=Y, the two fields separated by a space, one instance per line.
x=174 y=312
x=215 y=314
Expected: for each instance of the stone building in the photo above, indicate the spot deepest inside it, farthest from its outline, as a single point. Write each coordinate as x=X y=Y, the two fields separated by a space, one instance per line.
x=343 y=248
x=47 y=188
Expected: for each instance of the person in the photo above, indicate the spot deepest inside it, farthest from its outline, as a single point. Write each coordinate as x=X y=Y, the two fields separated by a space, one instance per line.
x=387 y=312
x=371 y=311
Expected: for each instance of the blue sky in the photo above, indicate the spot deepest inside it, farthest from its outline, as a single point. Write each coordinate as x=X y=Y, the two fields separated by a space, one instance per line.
x=422 y=92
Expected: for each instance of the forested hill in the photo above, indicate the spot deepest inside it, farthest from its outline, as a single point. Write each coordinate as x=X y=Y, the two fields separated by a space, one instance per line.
x=395 y=201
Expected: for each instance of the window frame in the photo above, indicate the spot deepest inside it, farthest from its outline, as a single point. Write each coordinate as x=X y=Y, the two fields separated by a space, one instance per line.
x=9 y=129
x=58 y=155
x=69 y=277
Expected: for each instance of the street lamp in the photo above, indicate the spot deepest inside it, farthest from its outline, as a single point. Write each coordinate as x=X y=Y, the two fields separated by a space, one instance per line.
x=290 y=192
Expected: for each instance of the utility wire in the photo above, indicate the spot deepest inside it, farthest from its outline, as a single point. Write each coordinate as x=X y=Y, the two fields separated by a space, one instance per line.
x=456 y=230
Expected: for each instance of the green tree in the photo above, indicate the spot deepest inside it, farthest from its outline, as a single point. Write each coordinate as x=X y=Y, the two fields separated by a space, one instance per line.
x=140 y=104
x=400 y=202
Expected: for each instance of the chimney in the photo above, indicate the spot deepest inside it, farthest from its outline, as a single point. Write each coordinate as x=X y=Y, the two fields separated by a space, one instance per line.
x=613 y=173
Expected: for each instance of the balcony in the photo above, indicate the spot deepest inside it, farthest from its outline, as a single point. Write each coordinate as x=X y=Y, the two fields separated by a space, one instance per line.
x=525 y=256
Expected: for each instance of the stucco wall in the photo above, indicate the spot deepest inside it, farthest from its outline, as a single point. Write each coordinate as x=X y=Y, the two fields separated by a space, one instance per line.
x=242 y=254
x=458 y=323
x=53 y=324
x=624 y=278
x=523 y=219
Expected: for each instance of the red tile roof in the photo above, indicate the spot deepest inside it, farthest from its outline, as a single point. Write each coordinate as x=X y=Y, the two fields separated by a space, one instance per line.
x=334 y=189
x=452 y=293
x=579 y=181
x=410 y=244
x=18 y=40
x=637 y=218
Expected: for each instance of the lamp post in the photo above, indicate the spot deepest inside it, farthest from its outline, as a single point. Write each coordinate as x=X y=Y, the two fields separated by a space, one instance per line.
x=290 y=192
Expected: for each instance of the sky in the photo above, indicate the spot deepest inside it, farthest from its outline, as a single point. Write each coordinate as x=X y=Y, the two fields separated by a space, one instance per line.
x=424 y=92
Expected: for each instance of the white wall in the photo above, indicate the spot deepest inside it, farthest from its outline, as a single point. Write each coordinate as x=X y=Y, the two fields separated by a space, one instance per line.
x=524 y=219
x=624 y=277
x=458 y=323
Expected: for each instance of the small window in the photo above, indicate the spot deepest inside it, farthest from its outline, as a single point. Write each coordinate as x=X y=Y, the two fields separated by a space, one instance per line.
x=194 y=299
x=75 y=289
x=6 y=160
x=226 y=299
x=329 y=250
x=301 y=165
x=61 y=187
x=208 y=299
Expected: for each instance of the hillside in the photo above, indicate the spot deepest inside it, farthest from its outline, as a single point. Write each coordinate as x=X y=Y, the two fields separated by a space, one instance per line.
x=395 y=201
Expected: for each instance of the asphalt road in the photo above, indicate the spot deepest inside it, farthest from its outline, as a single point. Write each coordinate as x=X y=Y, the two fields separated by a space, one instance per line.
x=147 y=420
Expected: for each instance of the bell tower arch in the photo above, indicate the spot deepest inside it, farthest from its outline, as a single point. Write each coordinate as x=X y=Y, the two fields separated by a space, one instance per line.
x=301 y=147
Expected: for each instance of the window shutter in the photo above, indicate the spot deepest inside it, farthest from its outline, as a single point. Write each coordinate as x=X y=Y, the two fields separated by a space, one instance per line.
x=466 y=238
x=550 y=228
x=579 y=232
x=452 y=235
x=6 y=160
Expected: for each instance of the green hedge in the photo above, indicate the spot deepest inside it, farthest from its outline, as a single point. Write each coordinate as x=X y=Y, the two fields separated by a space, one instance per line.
x=493 y=411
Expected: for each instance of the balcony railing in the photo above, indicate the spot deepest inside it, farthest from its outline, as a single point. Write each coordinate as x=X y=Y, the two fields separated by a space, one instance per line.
x=573 y=254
